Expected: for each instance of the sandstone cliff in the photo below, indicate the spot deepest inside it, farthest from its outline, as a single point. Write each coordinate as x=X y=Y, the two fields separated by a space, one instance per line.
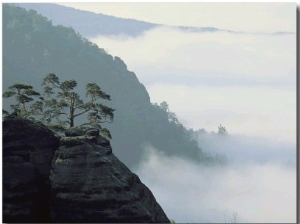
x=28 y=150
x=87 y=183
x=32 y=142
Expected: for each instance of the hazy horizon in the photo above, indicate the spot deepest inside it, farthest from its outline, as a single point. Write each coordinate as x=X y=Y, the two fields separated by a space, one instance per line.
x=269 y=17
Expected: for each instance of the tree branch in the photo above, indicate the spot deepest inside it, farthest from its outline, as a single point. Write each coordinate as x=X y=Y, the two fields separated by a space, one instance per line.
x=76 y=115
x=105 y=122
x=83 y=105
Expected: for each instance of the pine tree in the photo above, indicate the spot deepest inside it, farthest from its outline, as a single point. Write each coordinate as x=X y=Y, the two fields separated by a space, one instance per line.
x=24 y=96
x=63 y=104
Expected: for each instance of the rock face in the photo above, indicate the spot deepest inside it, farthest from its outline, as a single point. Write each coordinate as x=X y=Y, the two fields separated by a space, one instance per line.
x=20 y=190
x=74 y=179
x=30 y=141
x=28 y=149
x=90 y=184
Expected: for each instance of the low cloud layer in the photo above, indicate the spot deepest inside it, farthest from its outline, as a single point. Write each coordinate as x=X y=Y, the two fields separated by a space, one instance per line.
x=188 y=192
x=255 y=111
x=242 y=149
x=248 y=56
x=246 y=82
x=235 y=15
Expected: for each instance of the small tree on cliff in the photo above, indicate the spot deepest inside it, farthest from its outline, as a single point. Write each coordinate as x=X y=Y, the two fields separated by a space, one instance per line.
x=63 y=104
x=25 y=97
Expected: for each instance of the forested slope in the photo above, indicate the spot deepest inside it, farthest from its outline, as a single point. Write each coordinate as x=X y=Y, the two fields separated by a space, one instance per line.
x=33 y=48
x=92 y=24
x=89 y=24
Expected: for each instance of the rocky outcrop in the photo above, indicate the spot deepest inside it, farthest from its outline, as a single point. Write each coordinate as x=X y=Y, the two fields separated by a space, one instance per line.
x=28 y=149
x=90 y=184
x=25 y=194
x=74 y=179
x=30 y=141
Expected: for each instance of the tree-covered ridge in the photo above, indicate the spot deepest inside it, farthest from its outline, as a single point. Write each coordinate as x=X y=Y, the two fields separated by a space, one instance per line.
x=33 y=47
x=92 y=24
x=88 y=23
x=31 y=36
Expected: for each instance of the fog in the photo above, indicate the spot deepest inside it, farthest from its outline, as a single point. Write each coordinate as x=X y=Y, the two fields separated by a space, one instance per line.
x=253 y=56
x=254 y=191
x=268 y=17
x=252 y=110
x=247 y=83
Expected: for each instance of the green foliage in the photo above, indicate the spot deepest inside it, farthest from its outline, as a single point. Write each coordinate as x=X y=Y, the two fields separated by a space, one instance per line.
x=61 y=104
x=33 y=46
x=24 y=95
x=105 y=133
x=222 y=130
x=168 y=133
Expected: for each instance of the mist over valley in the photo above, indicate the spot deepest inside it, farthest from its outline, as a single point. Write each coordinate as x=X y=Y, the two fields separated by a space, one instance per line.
x=173 y=88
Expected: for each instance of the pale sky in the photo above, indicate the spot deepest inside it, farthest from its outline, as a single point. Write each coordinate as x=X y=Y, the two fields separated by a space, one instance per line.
x=238 y=16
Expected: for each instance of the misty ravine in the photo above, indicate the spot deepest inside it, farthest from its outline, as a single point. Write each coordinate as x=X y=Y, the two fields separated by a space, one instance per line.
x=172 y=85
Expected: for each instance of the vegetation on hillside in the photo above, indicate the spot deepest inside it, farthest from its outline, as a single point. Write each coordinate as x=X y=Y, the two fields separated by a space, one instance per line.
x=33 y=47
x=89 y=23
x=222 y=130
x=60 y=104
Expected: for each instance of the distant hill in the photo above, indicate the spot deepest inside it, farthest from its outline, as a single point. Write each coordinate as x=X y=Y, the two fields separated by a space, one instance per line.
x=91 y=24
x=33 y=48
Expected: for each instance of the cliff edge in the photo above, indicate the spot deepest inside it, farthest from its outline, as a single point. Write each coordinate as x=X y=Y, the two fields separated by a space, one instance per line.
x=86 y=182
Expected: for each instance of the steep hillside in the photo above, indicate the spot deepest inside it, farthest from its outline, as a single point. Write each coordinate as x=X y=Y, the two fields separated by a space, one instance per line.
x=33 y=48
x=89 y=24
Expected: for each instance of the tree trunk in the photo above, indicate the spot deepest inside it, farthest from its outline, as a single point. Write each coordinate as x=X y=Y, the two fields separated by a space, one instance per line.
x=71 y=122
